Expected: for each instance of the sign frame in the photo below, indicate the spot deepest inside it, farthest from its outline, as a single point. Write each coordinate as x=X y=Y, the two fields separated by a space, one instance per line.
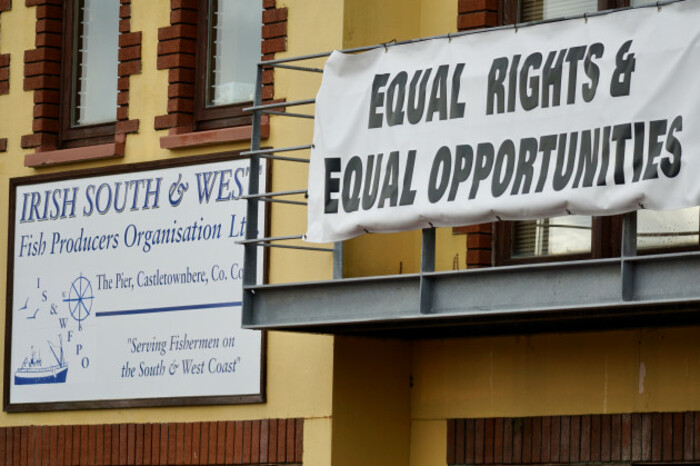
x=198 y=400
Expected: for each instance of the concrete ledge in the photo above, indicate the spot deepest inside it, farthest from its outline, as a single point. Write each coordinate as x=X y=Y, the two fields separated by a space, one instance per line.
x=78 y=154
x=215 y=136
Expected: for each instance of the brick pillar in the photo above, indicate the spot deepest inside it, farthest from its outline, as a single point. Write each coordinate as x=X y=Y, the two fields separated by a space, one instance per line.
x=129 y=63
x=477 y=14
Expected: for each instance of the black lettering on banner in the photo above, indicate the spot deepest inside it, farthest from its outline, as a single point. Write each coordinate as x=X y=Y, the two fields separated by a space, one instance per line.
x=671 y=168
x=505 y=158
x=390 y=187
x=415 y=110
x=439 y=174
x=495 y=90
x=621 y=134
x=464 y=159
x=588 y=158
x=512 y=83
x=551 y=78
x=530 y=85
x=377 y=100
x=332 y=165
x=562 y=175
x=592 y=71
x=604 y=157
x=457 y=107
x=352 y=178
x=656 y=130
x=525 y=168
x=396 y=92
x=483 y=166
x=438 y=94
x=574 y=56
x=371 y=188
x=408 y=195
x=547 y=145
x=638 y=154
x=622 y=76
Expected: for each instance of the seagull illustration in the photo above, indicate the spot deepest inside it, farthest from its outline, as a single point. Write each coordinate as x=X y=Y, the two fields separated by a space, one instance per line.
x=35 y=313
x=26 y=303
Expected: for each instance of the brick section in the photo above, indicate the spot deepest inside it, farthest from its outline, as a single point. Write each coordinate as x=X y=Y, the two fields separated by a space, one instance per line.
x=42 y=73
x=177 y=45
x=587 y=439
x=129 y=63
x=476 y=14
x=258 y=442
x=4 y=73
x=479 y=244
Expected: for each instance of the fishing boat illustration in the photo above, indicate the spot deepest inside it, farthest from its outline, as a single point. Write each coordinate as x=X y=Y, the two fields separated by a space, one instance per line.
x=33 y=372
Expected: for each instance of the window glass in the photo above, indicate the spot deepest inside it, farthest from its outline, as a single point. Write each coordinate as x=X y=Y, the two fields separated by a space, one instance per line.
x=671 y=228
x=552 y=236
x=233 y=50
x=95 y=62
x=534 y=10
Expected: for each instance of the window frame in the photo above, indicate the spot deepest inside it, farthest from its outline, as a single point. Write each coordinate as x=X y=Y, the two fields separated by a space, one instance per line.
x=220 y=116
x=77 y=136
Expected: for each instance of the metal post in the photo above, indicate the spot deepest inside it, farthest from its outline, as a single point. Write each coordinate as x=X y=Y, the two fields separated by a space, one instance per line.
x=427 y=264
x=250 y=261
x=628 y=249
x=337 y=260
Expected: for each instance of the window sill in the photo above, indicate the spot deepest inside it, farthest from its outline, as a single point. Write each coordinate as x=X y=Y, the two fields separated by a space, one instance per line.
x=214 y=136
x=78 y=154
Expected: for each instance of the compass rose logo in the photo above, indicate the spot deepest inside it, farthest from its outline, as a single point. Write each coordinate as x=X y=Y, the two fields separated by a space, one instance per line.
x=80 y=299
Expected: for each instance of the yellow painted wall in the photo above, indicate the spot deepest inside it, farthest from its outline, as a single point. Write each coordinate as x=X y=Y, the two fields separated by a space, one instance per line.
x=639 y=370
x=371 y=402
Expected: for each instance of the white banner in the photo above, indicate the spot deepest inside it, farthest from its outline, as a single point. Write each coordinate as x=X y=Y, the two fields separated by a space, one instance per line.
x=592 y=116
x=128 y=286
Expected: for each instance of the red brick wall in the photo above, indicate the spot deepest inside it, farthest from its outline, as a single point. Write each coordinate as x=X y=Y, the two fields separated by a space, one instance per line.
x=129 y=63
x=177 y=53
x=477 y=14
x=4 y=71
x=598 y=438
x=269 y=441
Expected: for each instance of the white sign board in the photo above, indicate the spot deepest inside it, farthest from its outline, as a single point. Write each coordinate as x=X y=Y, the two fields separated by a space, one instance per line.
x=591 y=116
x=127 y=286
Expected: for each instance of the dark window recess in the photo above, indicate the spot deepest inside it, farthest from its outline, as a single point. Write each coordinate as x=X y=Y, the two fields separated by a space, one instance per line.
x=228 y=49
x=89 y=72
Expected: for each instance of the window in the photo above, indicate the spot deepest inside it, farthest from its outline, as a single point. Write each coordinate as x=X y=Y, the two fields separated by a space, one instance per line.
x=577 y=236
x=89 y=72
x=229 y=48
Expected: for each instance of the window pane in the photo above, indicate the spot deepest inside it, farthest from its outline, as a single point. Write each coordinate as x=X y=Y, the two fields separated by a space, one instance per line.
x=670 y=228
x=533 y=10
x=95 y=55
x=233 y=50
x=552 y=236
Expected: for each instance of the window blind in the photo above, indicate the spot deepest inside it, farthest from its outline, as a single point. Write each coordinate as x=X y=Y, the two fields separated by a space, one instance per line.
x=535 y=10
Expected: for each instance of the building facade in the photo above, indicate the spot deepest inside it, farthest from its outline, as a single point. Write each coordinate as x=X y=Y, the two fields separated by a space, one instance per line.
x=96 y=90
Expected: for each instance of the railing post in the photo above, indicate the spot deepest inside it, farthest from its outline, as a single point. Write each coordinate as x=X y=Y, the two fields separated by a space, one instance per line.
x=427 y=264
x=628 y=249
x=250 y=260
